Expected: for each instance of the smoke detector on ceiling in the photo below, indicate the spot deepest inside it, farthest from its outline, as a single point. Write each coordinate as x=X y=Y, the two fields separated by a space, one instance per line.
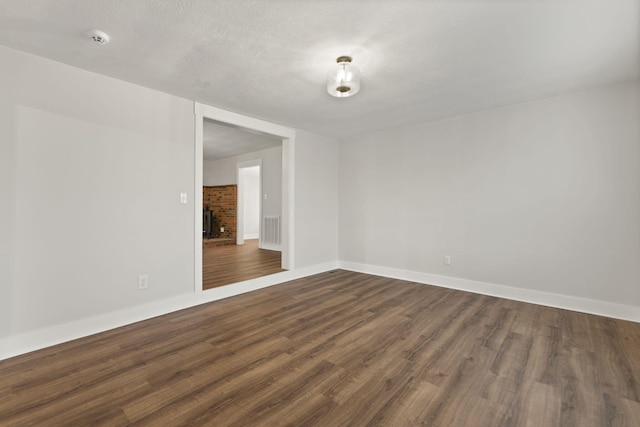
x=99 y=37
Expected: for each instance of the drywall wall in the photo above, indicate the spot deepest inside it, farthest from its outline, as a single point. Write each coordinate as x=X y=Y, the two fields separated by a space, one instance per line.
x=316 y=199
x=223 y=172
x=90 y=188
x=90 y=174
x=542 y=196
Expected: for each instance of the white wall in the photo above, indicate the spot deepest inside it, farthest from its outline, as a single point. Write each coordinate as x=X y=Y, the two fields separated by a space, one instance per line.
x=542 y=196
x=223 y=172
x=316 y=199
x=91 y=172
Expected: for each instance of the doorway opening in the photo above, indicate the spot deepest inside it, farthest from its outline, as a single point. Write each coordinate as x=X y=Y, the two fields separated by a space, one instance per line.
x=250 y=207
x=263 y=182
x=249 y=201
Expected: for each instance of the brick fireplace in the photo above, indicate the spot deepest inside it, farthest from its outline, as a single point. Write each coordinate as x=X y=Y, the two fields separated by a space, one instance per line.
x=222 y=201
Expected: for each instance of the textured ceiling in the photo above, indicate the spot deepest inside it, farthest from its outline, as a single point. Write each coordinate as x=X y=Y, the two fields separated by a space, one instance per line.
x=221 y=141
x=419 y=60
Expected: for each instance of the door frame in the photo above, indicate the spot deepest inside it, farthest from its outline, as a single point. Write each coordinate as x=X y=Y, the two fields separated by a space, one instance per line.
x=240 y=204
x=288 y=136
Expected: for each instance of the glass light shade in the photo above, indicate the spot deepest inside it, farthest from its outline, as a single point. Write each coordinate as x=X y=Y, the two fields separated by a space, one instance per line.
x=344 y=79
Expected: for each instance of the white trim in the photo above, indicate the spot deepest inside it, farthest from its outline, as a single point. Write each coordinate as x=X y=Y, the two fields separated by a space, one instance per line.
x=249 y=163
x=288 y=136
x=197 y=199
x=240 y=237
x=601 y=308
x=41 y=338
x=240 y=120
x=287 y=245
x=46 y=337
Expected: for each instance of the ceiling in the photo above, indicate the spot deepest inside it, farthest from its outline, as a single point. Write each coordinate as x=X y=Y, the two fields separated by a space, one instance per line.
x=221 y=141
x=420 y=60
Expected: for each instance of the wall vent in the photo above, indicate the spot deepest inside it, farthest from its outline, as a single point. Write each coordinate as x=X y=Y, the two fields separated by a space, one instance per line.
x=271 y=230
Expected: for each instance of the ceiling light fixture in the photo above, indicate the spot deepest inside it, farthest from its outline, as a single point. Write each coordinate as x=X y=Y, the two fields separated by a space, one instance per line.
x=343 y=79
x=100 y=37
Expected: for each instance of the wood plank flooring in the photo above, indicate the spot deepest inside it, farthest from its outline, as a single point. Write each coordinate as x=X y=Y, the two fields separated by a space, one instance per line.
x=338 y=349
x=223 y=265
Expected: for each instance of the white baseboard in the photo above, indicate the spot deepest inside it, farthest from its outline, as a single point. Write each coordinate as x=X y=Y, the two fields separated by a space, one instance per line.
x=271 y=247
x=41 y=338
x=602 y=308
x=15 y=345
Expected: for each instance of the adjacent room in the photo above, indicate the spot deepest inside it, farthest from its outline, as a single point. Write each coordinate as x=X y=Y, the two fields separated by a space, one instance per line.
x=241 y=205
x=320 y=213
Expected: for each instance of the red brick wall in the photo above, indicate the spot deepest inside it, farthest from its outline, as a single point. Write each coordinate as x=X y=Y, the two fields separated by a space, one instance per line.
x=222 y=200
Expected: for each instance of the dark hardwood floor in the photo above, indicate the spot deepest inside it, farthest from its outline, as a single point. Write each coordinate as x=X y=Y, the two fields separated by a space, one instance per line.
x=338 y=349
x=223 y=265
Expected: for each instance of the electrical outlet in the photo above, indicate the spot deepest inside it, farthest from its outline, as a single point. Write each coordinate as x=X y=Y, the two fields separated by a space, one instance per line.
x=222 y=229
x=143 y=282
x=447 y=259
x=183 y=199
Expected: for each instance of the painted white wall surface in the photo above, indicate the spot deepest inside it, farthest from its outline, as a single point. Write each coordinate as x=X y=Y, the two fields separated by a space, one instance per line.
x=316 y=199
x=223 y=172
x=90 y=174
x=251 y=194
x=91 y=170
x=542 y=196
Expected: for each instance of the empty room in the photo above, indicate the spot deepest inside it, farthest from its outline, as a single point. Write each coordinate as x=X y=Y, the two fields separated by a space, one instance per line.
x=448 y=194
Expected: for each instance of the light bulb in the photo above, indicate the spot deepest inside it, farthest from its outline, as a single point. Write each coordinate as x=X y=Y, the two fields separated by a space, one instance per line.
x=344 y=79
